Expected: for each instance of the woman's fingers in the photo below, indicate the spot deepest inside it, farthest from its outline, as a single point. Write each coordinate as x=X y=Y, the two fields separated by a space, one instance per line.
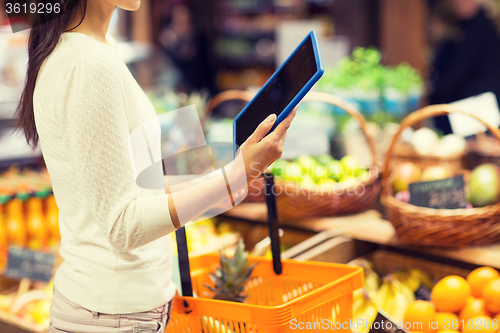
x=262 y=129
x=280 y=130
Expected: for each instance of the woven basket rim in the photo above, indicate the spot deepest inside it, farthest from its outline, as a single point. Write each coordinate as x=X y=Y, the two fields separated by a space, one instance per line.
x=476 y=149
x=390 y=201
x=415 y=155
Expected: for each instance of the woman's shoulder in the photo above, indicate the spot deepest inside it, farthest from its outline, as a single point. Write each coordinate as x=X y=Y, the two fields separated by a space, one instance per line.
x=80 y=52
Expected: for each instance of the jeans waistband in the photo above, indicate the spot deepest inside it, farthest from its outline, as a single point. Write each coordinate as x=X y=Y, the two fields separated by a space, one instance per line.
x=111 y=319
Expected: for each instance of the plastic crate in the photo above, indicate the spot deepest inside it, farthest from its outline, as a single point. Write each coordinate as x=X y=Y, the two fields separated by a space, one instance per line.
x=306 y=292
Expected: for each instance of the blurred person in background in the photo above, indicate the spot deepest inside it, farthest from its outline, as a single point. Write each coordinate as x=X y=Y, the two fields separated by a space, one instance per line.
x=467 y=57
x=187 y=48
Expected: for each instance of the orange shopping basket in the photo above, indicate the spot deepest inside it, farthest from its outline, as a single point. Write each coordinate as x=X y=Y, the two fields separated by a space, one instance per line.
x=284 y=296
x=305 y=297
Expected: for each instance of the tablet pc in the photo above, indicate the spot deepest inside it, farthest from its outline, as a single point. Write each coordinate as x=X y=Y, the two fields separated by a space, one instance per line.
x=283 y=91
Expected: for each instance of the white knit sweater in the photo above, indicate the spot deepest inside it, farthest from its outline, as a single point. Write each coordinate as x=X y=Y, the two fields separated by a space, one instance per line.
x=116 y=258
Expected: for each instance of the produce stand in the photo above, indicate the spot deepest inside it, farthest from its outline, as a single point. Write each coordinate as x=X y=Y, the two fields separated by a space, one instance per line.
x=369 y=226
x=369 y=107
x=342 y=249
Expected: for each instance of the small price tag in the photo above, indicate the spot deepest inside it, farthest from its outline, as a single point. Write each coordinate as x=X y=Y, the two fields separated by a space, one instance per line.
x=23 y=263
x=423 y=293
x=440 y=194
x=382 y=324
x=485 y=106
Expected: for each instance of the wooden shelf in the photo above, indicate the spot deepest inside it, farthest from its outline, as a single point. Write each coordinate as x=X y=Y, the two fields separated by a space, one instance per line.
x=381 y=232
x=257 y=213
x=368 y=226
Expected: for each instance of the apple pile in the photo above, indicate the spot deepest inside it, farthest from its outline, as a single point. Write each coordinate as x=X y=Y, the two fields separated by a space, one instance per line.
x=322 y=169
x=425 y=141
x=482 y=188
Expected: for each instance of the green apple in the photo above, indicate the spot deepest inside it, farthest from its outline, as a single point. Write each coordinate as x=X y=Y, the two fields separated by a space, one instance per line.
x=484 y=185
x=335 y=170
x=363 y=175
x=318 y=173
x=350 y=165
x=307 y=162
x=306 y=181
x=350 y=181
x=324 y=159
x=293 y=171
x=278 y=168
x=326 y=181
x=326 y=185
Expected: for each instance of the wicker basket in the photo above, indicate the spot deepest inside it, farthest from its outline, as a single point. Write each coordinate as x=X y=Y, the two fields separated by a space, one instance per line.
x=448 y=228
x=484 y=149
x=385 y=262
x=404 y=152
x=294 y=201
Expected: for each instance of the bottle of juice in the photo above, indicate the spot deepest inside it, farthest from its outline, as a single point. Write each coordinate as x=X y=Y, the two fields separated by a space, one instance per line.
x=52 y=218
x=3 y=238
x=37 y=228
x=15 y=224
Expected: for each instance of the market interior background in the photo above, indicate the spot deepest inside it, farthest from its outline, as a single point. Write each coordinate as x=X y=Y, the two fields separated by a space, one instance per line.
x=387 y=58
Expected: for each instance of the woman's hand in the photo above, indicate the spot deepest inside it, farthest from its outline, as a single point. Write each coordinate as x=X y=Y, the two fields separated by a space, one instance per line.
x=255 y=155
x=259 y=150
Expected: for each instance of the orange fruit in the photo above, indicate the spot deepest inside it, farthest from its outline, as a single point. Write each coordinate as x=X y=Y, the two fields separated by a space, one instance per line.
x=447 y=321
x=448 y=331
x=419 y=313
x=491 y=295
x=450 y=294
x=479 y=277
x=480 y=324
x=473 y=308
x=497 y=318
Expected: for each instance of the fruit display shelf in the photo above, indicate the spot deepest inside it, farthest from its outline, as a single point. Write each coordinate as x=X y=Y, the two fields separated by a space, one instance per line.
x=368 y=227
x=446 y=228
x=411 y=286
x=29 y=313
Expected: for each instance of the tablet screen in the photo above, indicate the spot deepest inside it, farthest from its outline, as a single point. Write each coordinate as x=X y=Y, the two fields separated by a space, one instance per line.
x=279 y=92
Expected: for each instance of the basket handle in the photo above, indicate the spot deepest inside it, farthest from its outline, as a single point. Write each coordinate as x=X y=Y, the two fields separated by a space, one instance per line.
x=311 y=96
x=424 y=113
x=350 y=109
x=228 y=95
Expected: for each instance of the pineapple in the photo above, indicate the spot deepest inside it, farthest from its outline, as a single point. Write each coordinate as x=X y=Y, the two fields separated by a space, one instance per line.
x=232 y=275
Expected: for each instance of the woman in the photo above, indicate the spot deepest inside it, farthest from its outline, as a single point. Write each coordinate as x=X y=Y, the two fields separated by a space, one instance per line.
x=81 y=102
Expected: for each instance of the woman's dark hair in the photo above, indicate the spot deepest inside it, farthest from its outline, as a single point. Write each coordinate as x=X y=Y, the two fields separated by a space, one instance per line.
x=44 y=36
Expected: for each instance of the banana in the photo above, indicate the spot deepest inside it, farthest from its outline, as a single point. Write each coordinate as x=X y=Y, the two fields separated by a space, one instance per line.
x=424 y=277
x=404 y=290
x=405 y=277
x=394 y=297
x=365 y=310
x=382 y=295
x=372 y=280
x=366 y=264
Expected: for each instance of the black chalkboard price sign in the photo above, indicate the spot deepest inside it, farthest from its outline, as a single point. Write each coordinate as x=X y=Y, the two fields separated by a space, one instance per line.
x=382 y=324
x=23 y=263
x=446 y=193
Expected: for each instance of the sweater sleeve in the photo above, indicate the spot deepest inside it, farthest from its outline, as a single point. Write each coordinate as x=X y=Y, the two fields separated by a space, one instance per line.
x=97 y=134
